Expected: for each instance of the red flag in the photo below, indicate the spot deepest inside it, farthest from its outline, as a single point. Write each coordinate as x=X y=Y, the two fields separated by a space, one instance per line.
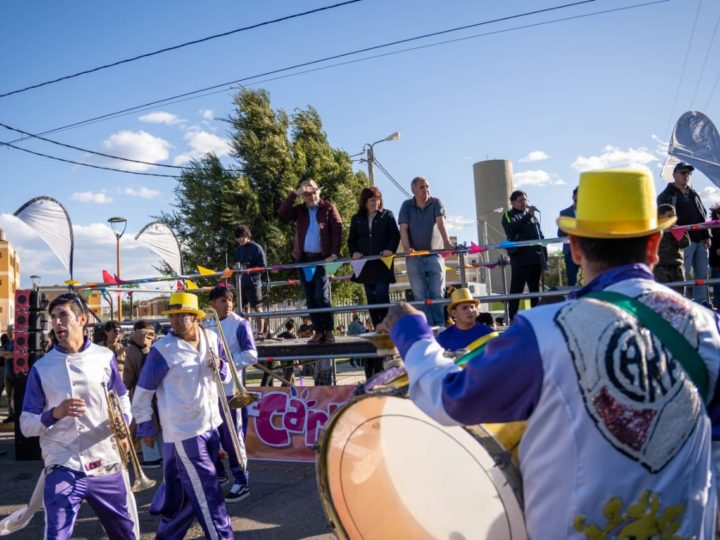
x=180 y=286
x=107 y=277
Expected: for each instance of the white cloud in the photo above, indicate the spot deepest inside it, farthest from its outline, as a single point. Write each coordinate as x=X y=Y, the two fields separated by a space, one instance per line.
x=92 y=197
x=201 y=143
x=161 y=117
x=142 y=192
x=711 y=195
x=207 y=114
x=138 y=145
x=459 y=222
x=536 y=155
x=614 y=157
x=535 y=177
x=661 y=147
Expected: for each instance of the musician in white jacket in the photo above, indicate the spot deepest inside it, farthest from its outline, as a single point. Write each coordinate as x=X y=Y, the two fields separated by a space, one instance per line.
x=179 y=370
x=66 y=406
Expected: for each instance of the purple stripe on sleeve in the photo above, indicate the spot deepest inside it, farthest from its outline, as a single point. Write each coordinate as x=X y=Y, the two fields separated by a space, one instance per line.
x=146 y=429
x=408 y=330
x=153 y=371
x=245 y=336
x=501 y=385
x=116 y=383
x=34 y=401
x=47 y=418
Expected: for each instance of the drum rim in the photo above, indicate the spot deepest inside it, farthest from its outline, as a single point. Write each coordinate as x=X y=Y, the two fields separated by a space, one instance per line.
x=478 y=432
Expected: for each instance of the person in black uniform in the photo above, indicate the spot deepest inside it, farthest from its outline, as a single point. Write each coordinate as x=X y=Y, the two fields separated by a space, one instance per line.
x=527 y=262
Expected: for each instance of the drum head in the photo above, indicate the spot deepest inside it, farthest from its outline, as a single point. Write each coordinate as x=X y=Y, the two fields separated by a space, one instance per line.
x=387 y=470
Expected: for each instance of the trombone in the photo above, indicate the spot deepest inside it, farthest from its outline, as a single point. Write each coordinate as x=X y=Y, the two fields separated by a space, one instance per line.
x=241 y=397
x=121 y=432
x=224 y=404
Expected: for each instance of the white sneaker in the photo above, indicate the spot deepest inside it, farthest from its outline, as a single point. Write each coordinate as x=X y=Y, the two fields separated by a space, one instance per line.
x=237 y=493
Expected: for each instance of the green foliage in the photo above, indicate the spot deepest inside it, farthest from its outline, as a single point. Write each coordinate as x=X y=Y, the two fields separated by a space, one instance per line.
x=274 y=152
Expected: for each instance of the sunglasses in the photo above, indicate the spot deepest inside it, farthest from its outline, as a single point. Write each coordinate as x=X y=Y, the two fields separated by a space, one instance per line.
x=72 y=297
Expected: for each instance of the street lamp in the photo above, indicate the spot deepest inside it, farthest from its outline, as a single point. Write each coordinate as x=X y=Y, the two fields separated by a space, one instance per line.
x=370 y=157
x=118 y=226
x=35 y=279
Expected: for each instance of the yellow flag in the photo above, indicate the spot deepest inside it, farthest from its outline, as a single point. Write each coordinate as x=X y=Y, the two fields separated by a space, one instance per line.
x=72 y=282
x=388 y=260
x=204 y=271
x=190 y=285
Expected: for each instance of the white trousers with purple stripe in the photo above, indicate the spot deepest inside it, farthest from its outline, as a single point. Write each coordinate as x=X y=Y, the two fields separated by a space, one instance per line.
x=191 y=490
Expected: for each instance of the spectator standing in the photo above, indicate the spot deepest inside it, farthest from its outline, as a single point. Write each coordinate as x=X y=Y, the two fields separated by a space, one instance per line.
x=526 y=262
x=571 y=269
x=249 y=254
x=355 y=329
x=306 y=329
x=690 y=210
x=670 y=252
x=465 y=329
x=422 y=228
x=374 y=231
x=141 y=339
x=318 y=236
x=714 y=258
x=113 y=334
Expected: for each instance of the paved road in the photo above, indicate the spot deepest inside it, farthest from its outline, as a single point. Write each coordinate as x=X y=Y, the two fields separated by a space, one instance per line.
x=284 y=502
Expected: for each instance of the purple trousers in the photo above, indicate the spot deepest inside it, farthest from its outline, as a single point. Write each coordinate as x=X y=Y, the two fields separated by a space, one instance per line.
x=107 y=495
x=191 y=490
x=239 y=473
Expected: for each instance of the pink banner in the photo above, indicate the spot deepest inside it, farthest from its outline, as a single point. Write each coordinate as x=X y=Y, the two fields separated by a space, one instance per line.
x=286 y=427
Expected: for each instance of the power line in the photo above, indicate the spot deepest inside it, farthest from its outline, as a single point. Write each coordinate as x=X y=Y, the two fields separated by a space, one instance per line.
x=682 y=72
x=707 y=55
x=84 y=164
x=175 y=47
x=320 y=60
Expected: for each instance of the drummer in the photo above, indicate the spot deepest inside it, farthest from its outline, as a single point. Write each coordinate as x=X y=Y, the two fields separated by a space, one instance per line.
x=618 y=438
x=465 y=329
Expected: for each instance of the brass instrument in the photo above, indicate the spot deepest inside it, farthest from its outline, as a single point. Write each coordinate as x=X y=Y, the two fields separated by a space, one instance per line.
x=241 y=398
x=221 y=394
x=121 y=432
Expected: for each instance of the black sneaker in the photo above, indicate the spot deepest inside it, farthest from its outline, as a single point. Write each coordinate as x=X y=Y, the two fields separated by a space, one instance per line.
x=154 y=464
x=9 y=420
x=237 y=493
x=224 y=479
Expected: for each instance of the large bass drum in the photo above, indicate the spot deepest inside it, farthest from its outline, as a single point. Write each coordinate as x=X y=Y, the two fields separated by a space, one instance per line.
x=387 y=470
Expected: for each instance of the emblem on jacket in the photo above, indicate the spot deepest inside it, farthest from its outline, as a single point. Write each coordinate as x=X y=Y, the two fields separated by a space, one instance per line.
x=639 y=397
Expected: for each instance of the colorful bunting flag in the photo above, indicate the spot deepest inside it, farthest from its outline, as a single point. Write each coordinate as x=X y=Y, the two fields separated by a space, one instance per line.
x=333 y=267
x=227 y=274
x=388 y=260
x=179 y=285
x=107 y=277
x=419 y=253
x=678 y=232
x=72 y=282
x=358 y=266
x=204 y=271
x=474 y=248
x=190 y=284
x=446 y=254
x=309 y=272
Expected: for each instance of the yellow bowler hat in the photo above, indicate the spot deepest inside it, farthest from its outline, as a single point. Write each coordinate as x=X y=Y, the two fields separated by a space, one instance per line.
x=615 y=203
x=182 y=302
x=460 y=296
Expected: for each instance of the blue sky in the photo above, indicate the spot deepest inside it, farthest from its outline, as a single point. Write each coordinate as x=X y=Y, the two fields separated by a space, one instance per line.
x=554 y=99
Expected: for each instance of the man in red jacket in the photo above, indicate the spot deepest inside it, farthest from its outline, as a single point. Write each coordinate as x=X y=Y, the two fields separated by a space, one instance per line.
x=318 y=235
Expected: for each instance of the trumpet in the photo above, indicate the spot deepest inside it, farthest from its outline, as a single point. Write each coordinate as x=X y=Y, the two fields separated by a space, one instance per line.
x=121 y=432
x=241 y=397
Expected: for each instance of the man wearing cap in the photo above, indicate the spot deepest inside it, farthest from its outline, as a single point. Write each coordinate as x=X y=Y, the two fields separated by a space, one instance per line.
x=66 y=406
x=318 y=236
x=465 y=330
x=690 y=210
x=618 y=384
x=526 y=262
x=179 y=369
x=571 y=269
x=239 y=338
x=422 y=228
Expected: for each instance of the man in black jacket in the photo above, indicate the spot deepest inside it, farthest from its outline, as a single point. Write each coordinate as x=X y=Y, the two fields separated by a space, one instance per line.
x=690 y=210
x=527 y=262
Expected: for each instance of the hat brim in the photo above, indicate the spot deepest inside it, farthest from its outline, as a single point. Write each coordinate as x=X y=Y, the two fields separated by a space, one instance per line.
x=188 y=311
x=685 y=168
x=569 y=225
x=456 y=304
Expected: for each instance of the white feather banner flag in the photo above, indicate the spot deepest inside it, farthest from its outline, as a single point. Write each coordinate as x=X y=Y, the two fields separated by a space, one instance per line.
x=159 y=237
x=49 y=219
x=695 y=140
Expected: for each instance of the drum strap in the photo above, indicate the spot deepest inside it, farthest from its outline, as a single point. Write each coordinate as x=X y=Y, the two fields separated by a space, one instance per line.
x=675 y=342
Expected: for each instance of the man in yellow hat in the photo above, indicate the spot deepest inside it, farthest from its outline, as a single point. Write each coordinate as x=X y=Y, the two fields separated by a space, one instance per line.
x=465 y=329
x=618 y=384
x=179 y=369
